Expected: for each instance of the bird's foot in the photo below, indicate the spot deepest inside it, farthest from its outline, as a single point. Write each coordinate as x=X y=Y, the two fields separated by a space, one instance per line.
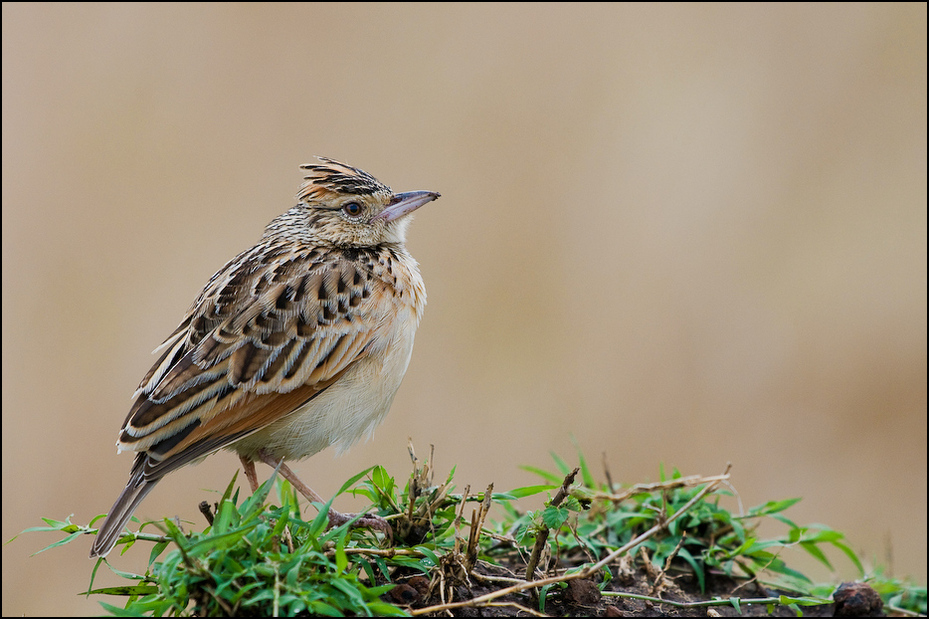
x=367 y=521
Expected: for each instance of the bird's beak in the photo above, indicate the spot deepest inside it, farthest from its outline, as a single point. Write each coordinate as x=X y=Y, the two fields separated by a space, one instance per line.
x=405 y=203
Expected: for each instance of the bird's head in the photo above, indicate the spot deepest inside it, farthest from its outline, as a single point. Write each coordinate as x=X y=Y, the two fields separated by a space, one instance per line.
x=348 y=207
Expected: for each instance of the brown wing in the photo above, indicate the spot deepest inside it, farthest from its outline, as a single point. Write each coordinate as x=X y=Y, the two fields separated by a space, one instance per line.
x=259 y=342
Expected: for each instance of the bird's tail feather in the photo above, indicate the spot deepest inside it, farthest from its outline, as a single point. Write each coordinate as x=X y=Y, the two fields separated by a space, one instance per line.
x=137 y=488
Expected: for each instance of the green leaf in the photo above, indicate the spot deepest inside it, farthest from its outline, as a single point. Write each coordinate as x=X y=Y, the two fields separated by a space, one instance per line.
x=382 y=479
x=771 y=507
x=226 y=517
x=586 y=475
x=58 y=525
x=341 y=559
x=351 y=482
x=350 y=590
x=851 y=556
x=122 y=574
x=551 y=477
x=695 y=565
x=230 y=488
x=124 y=591
x=116 y=611
x=520 y=493
x=803 y=600
x=60 y=542
x=318 y=607
x=219 y=542
x=382 y=609
x=255 y=502
x=543 y=595
x=823 y=535
x=816 y=553
x=554 y=517
x=561 y=464
x=735 y=604
x=428 y=554
x=778 y=566
x=787 y=521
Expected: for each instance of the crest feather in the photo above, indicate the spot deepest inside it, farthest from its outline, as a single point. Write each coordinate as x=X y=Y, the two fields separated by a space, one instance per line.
x=333 y=177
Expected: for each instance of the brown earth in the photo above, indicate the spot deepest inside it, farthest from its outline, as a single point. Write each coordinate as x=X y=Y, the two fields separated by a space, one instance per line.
x=583 y=598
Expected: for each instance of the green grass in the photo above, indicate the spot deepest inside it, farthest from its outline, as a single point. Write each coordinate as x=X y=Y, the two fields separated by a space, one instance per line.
x=259 y=557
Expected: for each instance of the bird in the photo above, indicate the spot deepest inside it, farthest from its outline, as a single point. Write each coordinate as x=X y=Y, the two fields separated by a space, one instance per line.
x=296 y=344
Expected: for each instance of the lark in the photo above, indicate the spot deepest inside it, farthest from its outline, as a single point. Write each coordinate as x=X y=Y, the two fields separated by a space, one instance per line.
x=296 y=344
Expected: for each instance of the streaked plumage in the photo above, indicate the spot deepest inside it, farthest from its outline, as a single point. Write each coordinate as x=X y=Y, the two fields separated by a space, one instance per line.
x=296 y=344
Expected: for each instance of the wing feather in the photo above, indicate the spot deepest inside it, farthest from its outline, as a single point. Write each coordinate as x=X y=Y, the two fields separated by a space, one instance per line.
x=257 y=345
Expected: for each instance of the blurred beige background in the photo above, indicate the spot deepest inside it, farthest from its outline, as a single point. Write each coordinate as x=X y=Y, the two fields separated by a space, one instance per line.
x=679 y=234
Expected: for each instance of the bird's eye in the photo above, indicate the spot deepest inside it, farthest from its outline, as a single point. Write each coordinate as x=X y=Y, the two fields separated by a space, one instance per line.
x=352 y=209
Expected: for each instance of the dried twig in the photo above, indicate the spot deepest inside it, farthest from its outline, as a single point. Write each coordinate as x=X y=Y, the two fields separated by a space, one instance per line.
x=690 y=480
x=477 y=523
x=606 y=473
x=656 y=587
x=703 y=603
x=542 y=538
x=204 y=508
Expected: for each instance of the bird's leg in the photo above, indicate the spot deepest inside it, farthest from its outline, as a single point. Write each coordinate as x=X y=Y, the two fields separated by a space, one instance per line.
x=335 y=518
x=250 y=474
x=290 y=476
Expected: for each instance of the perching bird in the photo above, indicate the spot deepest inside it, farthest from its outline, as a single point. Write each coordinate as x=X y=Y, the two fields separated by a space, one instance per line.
x=296 y=344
